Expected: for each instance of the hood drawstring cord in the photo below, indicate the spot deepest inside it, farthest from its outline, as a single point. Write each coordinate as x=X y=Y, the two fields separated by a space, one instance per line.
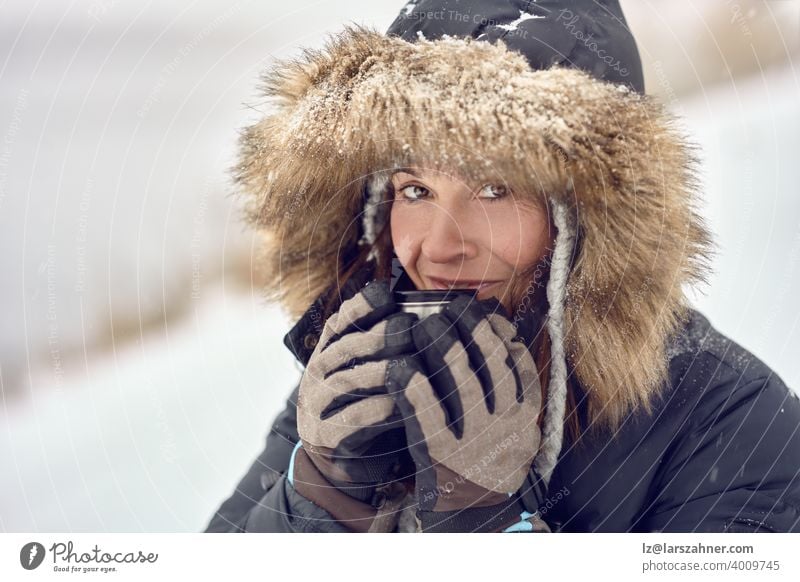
x=553 y=430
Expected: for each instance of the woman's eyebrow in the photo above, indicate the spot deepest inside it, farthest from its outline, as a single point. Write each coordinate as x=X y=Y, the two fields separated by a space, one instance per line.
x=408 y=171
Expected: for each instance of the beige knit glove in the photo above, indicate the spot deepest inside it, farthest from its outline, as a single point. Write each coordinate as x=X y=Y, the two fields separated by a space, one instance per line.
x=349 y=425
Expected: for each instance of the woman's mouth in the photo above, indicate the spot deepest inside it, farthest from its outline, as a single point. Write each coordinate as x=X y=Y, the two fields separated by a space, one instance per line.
x=480 y=285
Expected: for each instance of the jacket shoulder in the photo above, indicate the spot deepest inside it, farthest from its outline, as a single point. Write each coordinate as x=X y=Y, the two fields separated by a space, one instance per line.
x=735 y=452
x=698 y=340
x=719 y=450
x=712 y=375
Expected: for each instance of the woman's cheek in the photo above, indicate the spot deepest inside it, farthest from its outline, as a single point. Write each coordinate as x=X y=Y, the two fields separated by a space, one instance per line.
x=402 y=238
x=506 y=239
x=525 y=236
x=404 y=249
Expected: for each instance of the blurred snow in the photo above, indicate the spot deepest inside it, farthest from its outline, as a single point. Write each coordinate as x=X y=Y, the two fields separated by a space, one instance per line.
x=749 y=138
x=154 y=436
x=117 y=122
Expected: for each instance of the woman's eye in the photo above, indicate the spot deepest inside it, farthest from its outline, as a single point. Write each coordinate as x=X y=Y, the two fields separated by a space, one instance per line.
x=413 y=192
x=493 y=192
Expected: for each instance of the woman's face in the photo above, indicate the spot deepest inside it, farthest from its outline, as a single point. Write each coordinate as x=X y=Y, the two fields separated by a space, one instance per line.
x=448 y=233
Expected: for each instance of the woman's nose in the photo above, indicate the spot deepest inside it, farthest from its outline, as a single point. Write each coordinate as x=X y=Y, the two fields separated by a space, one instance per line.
x=447 y=238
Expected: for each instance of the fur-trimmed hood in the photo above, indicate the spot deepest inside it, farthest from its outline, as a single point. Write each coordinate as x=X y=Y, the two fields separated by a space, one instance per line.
x=609 y=157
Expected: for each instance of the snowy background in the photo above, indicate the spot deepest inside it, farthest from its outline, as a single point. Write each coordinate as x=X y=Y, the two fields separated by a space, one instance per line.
x=139 y=368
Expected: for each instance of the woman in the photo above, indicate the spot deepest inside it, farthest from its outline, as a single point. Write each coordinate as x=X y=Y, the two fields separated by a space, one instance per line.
x=578 y=391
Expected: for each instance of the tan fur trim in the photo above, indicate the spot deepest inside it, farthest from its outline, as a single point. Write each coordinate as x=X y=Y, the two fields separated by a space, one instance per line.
x=367 y=102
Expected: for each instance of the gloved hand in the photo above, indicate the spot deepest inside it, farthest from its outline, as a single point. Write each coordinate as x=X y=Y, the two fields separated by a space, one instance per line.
x=352 y=454
x=470 y=402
